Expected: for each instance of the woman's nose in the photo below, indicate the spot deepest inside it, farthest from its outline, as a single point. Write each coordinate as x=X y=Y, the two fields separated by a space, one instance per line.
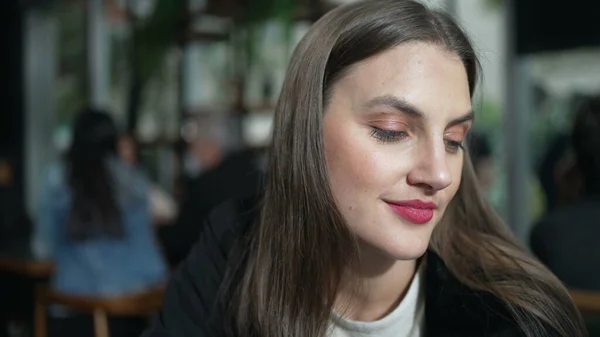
x=431 y=169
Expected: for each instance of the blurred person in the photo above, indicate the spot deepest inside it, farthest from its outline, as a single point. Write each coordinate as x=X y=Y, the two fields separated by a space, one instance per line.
x=569 y=183
x=94 y=221
x=127 y=150
x=557 y=171
x=484 y=164
x=566 y=240
x=163 y=208
x=482 y=158
x=372 y=222
x=239 y=174
x=202 y=154
x=204 y=148
x=551 y=168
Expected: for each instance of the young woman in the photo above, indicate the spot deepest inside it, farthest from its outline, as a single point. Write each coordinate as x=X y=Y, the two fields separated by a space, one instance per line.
x=372 y=223
x=94 y=220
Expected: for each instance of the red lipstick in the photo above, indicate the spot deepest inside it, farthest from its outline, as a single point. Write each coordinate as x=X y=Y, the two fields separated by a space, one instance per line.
x=415 y=211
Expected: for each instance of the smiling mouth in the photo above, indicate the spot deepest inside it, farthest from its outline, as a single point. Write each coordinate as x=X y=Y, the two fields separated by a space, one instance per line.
x=414 y=211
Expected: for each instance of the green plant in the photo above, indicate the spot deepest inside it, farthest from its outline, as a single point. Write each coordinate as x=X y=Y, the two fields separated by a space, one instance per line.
x=163 y=29
x=156 y=35
x=249 y=28
x=494 y=3
x=72 y=84
x=151 y=40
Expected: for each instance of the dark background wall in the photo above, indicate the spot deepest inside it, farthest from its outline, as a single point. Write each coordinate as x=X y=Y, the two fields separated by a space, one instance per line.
x=12 y=117
x=550 y=25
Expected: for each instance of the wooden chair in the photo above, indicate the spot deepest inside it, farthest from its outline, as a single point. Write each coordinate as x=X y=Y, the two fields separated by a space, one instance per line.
x=28 y=267
x=587 y=301
x=139 y=304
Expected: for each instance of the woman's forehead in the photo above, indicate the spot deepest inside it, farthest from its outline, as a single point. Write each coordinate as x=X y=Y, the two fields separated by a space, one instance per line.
x=425 y=75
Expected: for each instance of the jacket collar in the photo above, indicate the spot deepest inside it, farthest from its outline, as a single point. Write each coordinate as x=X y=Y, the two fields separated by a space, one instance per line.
x=452 y=309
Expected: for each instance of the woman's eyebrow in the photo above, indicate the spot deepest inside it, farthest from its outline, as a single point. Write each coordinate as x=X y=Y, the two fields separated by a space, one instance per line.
x=469 y=116
x=398 y=104
x=403 y=106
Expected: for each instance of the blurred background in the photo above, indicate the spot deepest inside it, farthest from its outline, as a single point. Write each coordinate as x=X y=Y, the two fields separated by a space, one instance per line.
x=191 y=86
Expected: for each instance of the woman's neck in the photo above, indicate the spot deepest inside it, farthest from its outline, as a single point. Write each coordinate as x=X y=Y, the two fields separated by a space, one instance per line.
x=375 y=287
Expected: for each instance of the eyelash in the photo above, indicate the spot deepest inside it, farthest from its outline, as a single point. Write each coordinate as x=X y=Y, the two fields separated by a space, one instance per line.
x=389 y=136
x=453 y=146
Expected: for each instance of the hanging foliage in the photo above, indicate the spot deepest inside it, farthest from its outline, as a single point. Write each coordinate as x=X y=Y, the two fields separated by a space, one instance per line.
x=256 y=14
x=157 y=34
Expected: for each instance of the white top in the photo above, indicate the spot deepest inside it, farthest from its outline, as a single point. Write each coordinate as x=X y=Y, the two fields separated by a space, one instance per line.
x=407 y=320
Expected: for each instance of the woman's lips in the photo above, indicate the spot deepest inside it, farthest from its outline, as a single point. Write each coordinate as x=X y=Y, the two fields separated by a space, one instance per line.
x=415 y=211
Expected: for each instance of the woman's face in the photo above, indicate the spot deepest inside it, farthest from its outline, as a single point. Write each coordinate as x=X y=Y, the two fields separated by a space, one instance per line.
x=126 y=150
x=393 y=134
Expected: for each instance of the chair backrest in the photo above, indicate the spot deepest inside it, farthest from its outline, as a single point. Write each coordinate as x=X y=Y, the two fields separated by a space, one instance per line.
x=141 y=303
x=588 y=302
x=144 y=303
x=28 y=267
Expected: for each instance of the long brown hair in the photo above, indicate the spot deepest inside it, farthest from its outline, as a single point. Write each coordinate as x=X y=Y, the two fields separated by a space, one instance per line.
x=301 y=245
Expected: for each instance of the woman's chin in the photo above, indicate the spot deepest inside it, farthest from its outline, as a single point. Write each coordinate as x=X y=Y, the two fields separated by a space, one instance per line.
x=406 y=249
x=407 y=253
x=405 y=246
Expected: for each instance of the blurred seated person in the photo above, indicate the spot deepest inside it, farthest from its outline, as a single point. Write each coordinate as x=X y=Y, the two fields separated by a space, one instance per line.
x=94 y=219
x=163 y=208
x=557 y=171
x=491 y=181
x=566 y=240
x=482 y=158
x=204 y=147
x=553 y=164
x=235 y=175
x=569 y=182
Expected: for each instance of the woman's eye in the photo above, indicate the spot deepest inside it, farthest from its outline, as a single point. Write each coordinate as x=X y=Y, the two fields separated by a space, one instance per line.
x=453 y=146
x=388 y=136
